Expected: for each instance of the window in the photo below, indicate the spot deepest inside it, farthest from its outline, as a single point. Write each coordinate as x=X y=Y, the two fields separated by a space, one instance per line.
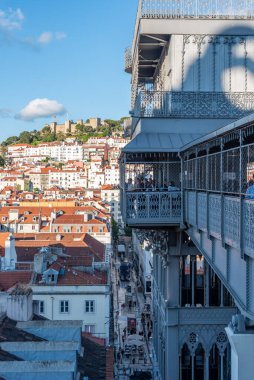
x=64 y=306
x=90 y=329
x=33 y=227
x=51 y=278
x=41 y=307
x=89 y=306
x=21 y=228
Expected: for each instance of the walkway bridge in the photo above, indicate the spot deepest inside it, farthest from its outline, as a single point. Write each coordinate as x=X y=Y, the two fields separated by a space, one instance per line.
x=218 y=210
x=211 y=204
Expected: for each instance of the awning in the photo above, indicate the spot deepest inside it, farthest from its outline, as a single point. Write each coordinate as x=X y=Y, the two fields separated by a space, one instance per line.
x=160 y=142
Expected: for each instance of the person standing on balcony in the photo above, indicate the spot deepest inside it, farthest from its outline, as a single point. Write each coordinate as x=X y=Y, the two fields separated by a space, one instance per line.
x=130 y=186
x=250 y=191
x=173 y=187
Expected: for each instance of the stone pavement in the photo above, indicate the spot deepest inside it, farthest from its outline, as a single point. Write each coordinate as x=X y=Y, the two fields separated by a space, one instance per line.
x=130 y=354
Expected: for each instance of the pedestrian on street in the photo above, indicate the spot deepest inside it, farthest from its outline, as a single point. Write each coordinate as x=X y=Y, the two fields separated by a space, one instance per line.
x=123 y=339
x=133 y=361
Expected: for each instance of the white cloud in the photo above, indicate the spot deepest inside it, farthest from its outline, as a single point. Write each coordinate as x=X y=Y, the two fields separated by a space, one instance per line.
x=60 y=35
x=45 y=38
x=39 y=108
x=11 y=19
x=6 y=112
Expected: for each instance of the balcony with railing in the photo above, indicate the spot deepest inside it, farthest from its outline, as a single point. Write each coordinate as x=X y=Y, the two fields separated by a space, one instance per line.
x=196 y=105
x=197 y=9
x=128 y=60
x=218 y=185
x=218 y=180
x=150 y=185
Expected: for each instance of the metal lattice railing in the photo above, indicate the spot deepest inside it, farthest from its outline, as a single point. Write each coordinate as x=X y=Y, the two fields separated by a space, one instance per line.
x=153 y=176
x=197 y=9
x=219 y=188
x=153 y=206
x=228 y=172
x=187 y=104
x=128 y=59
x=151 y=191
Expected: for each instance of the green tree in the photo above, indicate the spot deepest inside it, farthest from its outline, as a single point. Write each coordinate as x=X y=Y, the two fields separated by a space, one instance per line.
x=11 y=140
x=46 y=130
x=128 y=231
x=111 y=123
x=25 y=137
x=60 y=136
x=115 y=230
x=2 y=162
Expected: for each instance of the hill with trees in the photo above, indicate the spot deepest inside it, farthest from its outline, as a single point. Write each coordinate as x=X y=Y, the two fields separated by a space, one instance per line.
x=82 y=133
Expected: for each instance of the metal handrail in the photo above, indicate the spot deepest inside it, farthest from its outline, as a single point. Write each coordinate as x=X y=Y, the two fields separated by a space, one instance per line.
x=197 y=9
x=186 y=104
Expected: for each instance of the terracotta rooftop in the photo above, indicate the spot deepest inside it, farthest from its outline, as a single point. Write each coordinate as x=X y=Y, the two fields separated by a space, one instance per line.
x=27 y=245
x=10 y=278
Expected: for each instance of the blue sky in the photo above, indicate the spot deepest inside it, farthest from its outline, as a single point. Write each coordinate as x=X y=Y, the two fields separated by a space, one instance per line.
x=63 y=58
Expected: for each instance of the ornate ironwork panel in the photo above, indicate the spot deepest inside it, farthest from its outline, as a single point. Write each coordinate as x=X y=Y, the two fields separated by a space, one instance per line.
x=208 y=9
x=192 y=208
x=202 y=211
x=232 y=221
x=248 y=223
x=216 y=315
x=193 y=104
x=128 y=59
x=215 y=215
x=153 y=207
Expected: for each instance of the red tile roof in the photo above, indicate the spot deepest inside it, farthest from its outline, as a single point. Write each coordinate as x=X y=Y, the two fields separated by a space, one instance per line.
x=27 y=245
x=10 y=278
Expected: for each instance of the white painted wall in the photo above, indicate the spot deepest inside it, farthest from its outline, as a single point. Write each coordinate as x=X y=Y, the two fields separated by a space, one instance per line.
x=76 y=295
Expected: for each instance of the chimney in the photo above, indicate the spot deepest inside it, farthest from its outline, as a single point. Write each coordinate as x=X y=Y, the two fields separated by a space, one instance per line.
x=53 y=215
x=39 y=263
x=20 y=304
x=87 y=217
x=58 y=237
x=10 y=256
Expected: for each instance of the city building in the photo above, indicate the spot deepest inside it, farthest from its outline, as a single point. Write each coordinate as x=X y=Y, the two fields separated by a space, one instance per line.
x=185 y=182
x=33 y=347
x=111 y=196
x=61 y=270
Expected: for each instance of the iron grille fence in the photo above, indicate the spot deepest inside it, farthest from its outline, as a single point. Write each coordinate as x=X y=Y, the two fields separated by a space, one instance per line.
x=153 y=206
x=187 y=104
x=128 y=59
x=229 y=172
x=150 y=192
x=197 y=9
x=153 y=176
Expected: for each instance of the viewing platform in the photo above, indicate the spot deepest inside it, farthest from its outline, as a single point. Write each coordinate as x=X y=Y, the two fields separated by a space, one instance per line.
x=196 y=105
x=153 y=208
x=198 y=9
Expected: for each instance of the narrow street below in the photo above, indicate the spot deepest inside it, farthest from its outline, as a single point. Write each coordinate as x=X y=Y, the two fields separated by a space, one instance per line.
x=132 y=323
